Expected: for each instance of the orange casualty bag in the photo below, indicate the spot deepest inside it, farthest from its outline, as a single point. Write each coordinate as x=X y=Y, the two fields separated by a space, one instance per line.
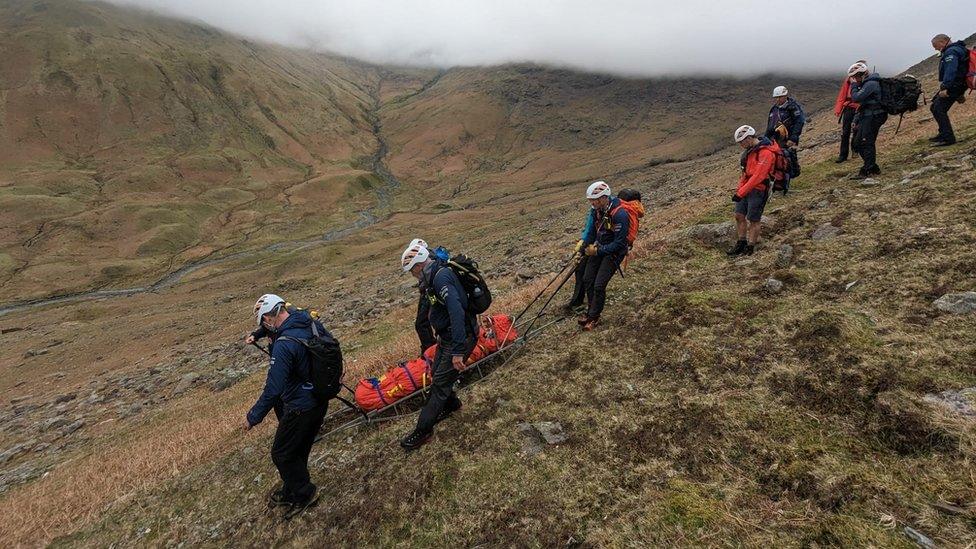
x=495 y=332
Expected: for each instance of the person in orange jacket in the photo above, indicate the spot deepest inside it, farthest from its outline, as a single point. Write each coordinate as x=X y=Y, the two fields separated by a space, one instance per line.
x=844 y=110
x=758 y=162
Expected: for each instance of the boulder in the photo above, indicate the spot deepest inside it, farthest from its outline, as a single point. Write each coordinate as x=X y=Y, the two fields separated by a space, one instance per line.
x=784 y=256
x=773 y=286
x=825 y=232
x=712 y=234
x=957 y=304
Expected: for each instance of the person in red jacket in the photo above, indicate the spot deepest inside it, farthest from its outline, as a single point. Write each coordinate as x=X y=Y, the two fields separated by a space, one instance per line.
x=758 y=162
x=844 y=110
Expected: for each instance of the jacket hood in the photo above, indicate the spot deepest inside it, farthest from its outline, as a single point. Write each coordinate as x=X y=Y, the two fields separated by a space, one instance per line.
x=873 y=76
x=297 y=324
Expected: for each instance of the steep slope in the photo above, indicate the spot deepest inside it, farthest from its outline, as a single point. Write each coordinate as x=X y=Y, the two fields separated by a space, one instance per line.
x=708 y=410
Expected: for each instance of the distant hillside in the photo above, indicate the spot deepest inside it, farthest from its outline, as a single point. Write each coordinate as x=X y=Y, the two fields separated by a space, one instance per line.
x=132 y=143
x=514 y=125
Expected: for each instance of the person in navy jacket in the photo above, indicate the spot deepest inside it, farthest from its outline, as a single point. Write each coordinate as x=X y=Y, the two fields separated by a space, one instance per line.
x=953 y=67
x=457 y=334
x=605 y=245
x=288 y=391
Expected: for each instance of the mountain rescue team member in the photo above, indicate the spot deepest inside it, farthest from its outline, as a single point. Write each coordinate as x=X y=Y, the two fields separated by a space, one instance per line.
x=844 y=110
x=288 y=391
x=758 y=161
x=605 y=247
x=952 y=85
x=579 y=289
x=866 y=90
x=786 y=119
x=457 y=333
x=422 y=323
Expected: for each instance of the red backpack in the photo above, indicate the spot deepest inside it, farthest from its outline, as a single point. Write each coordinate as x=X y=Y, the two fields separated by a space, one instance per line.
x=971 y=74
x=630 y=201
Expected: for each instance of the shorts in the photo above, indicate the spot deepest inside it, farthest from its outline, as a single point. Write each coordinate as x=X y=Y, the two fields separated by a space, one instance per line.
x=753 y=204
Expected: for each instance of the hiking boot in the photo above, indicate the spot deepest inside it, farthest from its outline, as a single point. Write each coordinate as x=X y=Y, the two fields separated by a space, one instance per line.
x=936 y=139
x=944 y=143
x=298 y=508
x=582 y=319
x=859 y=175
x=840 y=160
x=874 y=170
x=451 y=406
x=276 y=498
x=739 y=247
x=591 y=324
x=749 y=249
x=415 y=440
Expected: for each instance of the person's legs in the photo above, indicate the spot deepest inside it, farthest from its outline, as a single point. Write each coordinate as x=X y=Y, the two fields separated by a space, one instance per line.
x=867 y=135
x=441 y=389
x=579 y=289
x=755 y=204
x=741 y=227
x=940 y=111
x=289 y=452
x=605 y=271
x=846 y=118
x=589 y=278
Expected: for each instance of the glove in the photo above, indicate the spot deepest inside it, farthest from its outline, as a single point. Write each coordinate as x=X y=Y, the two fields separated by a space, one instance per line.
x=579 y=246
x=591 y=250
x=736 y=197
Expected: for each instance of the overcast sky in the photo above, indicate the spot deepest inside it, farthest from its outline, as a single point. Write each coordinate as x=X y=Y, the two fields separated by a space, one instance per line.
x=630 y=37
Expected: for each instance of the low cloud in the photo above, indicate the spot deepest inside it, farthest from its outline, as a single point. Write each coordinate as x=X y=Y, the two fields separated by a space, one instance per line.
x=628 y=37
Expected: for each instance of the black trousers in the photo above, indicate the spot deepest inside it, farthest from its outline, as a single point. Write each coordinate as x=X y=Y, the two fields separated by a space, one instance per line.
x=579 y=289
x=867 y=135
x=422 y=324
x=289 y=451
x=596 y=277
x=940 y=111
x=442 y=385
x=846 y=136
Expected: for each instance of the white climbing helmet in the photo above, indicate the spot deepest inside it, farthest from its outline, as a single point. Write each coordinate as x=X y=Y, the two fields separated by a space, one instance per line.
x=265 y=304
x=597 y=189
x=414 y=254
x=418 y=242
x=744 y=132
x=780 y=91
x=857 y=68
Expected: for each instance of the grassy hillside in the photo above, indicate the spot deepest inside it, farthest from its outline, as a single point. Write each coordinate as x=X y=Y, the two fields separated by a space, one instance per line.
x=132 y=144
x=707 y=410
x=120 y=417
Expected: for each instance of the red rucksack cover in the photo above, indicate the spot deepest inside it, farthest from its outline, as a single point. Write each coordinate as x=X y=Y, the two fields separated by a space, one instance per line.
x=635 y=211
x=971 y=74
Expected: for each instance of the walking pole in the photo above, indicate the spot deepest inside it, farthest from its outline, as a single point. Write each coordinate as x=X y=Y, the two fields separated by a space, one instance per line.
x=263 y=350
x=556 y=291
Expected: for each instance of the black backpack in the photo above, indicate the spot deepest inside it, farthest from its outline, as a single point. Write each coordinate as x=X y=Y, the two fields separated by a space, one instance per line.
x=899 y=94
x=325 y=363
x=473 y=282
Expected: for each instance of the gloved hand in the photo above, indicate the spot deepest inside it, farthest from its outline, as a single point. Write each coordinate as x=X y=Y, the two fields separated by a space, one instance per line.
x=790 y=143
x=942 y=93
x=736 y=197
x=579 y=246
x=591 y=250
